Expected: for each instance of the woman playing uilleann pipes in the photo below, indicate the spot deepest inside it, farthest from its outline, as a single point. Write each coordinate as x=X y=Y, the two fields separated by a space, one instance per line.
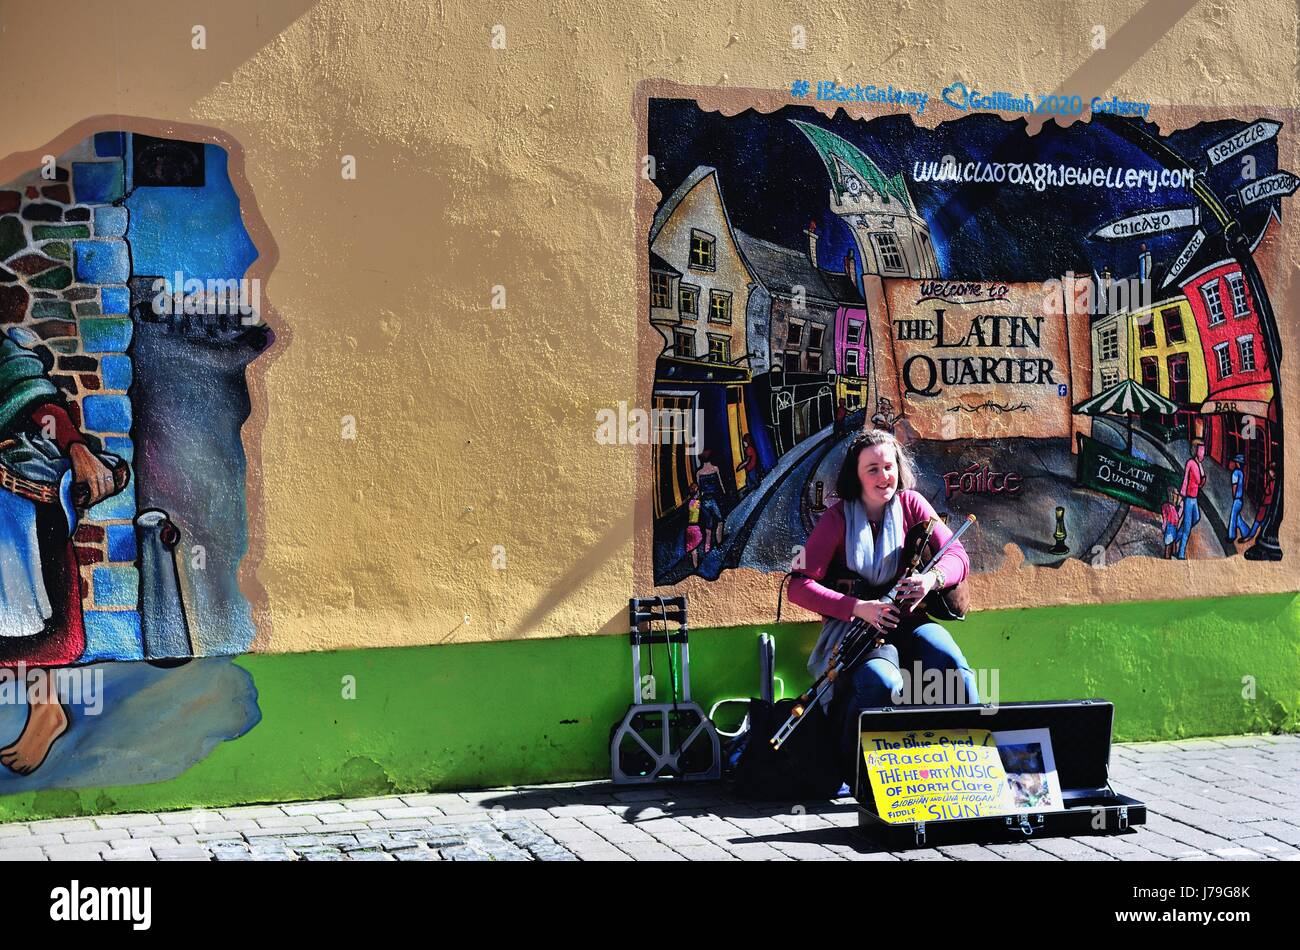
x=863 y=534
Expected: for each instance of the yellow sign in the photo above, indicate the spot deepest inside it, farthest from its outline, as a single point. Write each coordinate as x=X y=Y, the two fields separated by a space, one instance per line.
x=927 y=776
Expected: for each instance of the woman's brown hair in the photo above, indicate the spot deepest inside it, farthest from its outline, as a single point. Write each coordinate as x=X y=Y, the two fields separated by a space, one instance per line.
x=849 y=487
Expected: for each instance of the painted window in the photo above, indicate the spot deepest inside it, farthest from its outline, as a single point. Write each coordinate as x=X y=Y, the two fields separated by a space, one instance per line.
x=816 y=333
x=1108 y=343
x=702 y=250
x=1146 y=331
x=1237 y=285
x=1179 y=384
x=1213 y=302
x=719 y=348
x=794 y=339
x=719 y=306
x=891 y=257
x=1246 y=352
x=1109 y=378
x=1224 y=360
x=1151 y=373
x=659 y=287
x=854 y=335
x=851 y=363
x=684 y=344
x=688 y=300
x=1173 y=325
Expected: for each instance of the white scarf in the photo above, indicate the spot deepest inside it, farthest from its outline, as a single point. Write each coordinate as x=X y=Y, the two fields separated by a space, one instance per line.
x=878 y=563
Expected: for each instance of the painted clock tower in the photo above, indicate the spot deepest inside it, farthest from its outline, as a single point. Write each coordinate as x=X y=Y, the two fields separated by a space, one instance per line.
x=892 y=238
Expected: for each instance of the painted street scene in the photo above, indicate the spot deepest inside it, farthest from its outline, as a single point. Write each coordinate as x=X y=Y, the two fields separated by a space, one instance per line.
x=1071 y=331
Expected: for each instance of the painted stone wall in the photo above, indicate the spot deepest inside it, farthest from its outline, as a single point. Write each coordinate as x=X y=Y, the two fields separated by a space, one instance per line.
x=128 y=326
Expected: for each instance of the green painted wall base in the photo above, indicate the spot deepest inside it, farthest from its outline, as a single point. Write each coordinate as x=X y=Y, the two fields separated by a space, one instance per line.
x=532 y=711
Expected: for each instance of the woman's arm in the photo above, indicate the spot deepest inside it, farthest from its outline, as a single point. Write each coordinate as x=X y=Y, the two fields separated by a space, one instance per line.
x=824 y=544
x=955 y=564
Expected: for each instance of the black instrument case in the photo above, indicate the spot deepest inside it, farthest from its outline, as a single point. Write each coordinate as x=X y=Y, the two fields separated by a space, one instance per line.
x=1080 y=734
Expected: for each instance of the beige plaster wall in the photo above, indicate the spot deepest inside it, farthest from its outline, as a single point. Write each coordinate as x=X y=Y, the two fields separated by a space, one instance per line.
x=518 y=167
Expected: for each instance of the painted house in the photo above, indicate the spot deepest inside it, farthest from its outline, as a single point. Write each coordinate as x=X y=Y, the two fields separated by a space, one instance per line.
x=700 y=285
x=1164 y=352
x=798 y=389
x=1238 y=404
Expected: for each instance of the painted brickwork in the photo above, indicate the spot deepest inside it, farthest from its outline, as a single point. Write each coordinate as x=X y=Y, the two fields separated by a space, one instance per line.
x=64 y=267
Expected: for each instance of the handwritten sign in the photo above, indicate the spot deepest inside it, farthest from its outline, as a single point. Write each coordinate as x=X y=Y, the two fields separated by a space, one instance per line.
x=927 y=776
x=1149 y=222
x=1250 y=136
x=1184 y=257
x=1282 y=183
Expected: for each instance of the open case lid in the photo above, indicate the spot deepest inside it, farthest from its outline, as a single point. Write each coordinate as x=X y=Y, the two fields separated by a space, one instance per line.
x=1080 y=731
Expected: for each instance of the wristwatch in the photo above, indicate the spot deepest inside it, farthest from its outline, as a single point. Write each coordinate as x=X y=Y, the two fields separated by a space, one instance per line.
x=943 y=581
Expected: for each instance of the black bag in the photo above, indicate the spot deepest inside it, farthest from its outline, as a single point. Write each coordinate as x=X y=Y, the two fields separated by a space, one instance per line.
x=805 y=767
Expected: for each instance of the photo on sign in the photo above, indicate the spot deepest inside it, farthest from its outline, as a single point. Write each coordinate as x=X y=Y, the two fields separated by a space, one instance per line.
x=1030 y=769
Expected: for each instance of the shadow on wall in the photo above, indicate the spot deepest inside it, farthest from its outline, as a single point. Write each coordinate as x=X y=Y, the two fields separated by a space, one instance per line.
x=133 y=723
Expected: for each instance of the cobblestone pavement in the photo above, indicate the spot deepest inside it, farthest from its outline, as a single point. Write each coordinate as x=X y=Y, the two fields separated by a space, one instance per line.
x=1232 y=798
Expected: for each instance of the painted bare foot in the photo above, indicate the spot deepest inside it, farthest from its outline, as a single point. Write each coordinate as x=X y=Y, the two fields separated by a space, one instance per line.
x=45 y=723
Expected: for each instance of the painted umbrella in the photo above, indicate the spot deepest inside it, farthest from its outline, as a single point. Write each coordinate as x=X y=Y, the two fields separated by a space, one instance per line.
x=1126 y=398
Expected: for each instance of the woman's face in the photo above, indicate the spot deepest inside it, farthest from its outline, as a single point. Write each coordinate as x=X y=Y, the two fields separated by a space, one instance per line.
x=878 y=472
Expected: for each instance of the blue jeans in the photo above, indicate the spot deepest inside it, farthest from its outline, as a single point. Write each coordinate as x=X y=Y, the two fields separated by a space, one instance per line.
x=879 y=682
x=1191 y=515
x=1237 y=524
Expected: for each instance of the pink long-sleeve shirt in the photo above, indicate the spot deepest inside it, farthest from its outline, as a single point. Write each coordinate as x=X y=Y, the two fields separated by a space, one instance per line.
x=825 y=548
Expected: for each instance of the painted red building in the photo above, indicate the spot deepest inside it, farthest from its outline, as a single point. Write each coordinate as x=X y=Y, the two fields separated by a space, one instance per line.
x=1239 y=409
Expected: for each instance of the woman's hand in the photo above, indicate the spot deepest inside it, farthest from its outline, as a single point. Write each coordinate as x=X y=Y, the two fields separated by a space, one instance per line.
x=914 y=588
x=878 y=613
x=90 y=471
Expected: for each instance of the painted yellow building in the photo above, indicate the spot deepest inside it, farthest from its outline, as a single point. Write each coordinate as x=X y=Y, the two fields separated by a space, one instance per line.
x=1164 y=351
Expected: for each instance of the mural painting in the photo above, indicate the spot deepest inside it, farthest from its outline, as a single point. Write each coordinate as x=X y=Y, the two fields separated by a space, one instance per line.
x=127 y=325
x=1071 y=329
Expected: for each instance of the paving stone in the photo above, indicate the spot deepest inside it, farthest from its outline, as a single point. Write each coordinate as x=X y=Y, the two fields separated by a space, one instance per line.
x=76 y=852
x=970 y=852
x=127 y=821
x=61 y=825
x=130 y=854
x=1266 y=847
x=577 y=811
x=313 y=808
x=295 y=822
x=800 y=850
x=250 y=811
x=194 y=817
x=706 y=852
x=409 y=811
x=183 y=853
x=417 y=854
x=609 y=854
x=160 y=831
x=1282 y=830
x=30 y=841
x=1070 y=849
x=1022 y=851
x=83 y=837
x=351 y=817
x=462 y=853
